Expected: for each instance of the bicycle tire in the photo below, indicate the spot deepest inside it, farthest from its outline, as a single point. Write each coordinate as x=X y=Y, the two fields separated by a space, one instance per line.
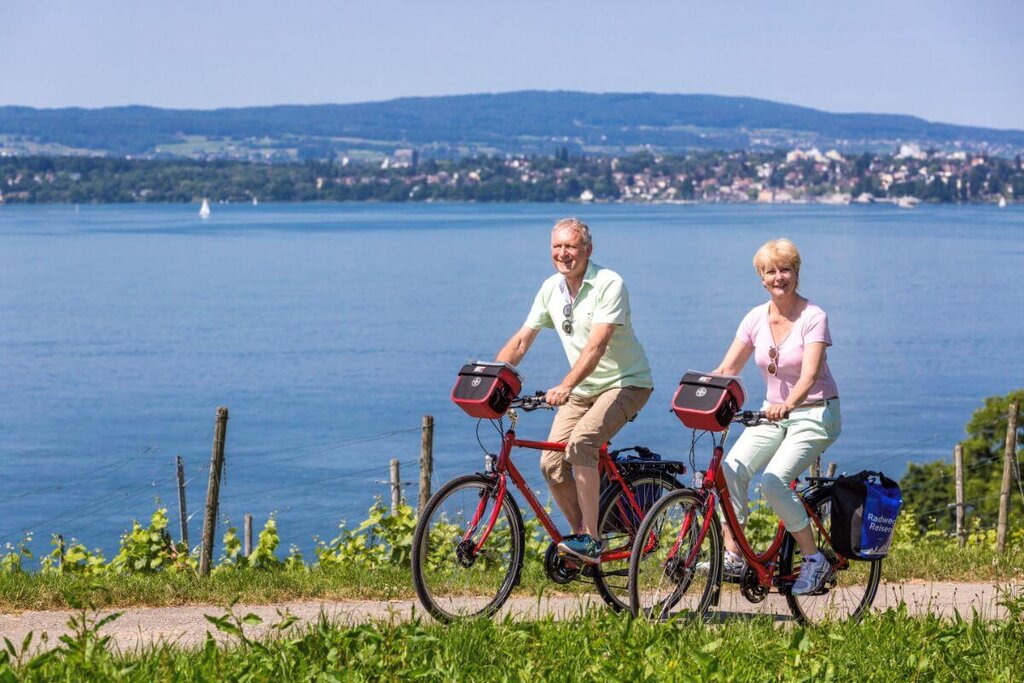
x=451 y=581
x=851 y=590
x=661 y=584
x=618 y=523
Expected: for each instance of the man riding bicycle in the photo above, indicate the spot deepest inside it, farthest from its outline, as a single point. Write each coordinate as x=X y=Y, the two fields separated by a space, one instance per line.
x=608 y=383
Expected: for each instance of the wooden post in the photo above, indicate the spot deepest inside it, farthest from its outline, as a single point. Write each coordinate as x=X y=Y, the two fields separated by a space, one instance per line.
x=182 y=509
x=213 y=491
x=958 y=466
x=60 y=546
x=426 y=460
x=1009 y=456
x=396 y=486
x=831 y=470
x=248 y=535
x=816 y=467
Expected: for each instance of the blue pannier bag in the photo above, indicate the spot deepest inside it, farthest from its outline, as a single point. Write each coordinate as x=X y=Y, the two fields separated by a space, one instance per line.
x=865 y=507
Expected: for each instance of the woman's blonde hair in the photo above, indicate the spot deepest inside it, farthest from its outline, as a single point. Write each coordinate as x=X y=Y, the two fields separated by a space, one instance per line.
x=775 y=253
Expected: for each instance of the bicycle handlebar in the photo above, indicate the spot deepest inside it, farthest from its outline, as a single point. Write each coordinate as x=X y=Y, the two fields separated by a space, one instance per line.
x=751 y=418
x=534 y=402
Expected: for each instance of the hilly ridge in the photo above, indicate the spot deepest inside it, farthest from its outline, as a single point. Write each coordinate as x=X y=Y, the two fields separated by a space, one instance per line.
x=515 y=122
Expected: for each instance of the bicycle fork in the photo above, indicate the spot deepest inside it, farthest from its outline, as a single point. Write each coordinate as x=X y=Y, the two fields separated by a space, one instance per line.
x=689 y=563
x=467 y=539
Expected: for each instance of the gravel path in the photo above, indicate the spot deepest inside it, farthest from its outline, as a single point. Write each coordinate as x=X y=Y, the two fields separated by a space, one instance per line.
x=187 y=626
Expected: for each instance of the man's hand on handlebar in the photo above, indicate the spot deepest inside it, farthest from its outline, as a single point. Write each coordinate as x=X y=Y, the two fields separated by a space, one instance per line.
x=559 y=395
x=531 y=402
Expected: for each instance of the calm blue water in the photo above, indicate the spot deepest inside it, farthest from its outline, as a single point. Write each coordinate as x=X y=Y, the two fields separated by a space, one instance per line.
x=329 y=330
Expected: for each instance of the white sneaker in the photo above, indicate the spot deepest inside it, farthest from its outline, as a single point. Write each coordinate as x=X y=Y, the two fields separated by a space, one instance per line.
x=732 y=568
x=814 y=572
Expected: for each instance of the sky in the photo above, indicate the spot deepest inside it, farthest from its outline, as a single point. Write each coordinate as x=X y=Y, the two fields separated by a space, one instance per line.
x=955 y=62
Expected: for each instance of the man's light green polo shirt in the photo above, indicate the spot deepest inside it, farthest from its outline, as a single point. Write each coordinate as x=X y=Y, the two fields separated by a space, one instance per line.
x=602 y=299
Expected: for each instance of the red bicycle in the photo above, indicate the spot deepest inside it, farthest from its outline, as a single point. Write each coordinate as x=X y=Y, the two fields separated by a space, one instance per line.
x=676 y=564
x=470 y=542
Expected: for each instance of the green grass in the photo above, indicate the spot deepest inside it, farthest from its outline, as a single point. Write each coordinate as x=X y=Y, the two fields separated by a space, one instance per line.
x=55 y=591
x=22 y=591
x=595 y=647
x=948 y=562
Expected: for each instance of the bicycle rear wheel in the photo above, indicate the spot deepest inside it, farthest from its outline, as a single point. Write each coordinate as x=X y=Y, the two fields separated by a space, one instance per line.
x=618 y=523
x=848 y=594
x=673 y=572
x=453 y=577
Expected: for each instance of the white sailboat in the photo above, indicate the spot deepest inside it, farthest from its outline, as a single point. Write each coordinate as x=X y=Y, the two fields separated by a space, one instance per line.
x=255 y=201
x=1002 y=202
x=204 y=210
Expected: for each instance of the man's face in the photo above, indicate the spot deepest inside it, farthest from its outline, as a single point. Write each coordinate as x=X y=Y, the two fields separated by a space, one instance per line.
x=569 y=254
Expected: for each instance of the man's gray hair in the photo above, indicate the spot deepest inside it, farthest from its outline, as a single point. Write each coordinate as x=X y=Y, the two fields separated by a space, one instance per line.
x=579 y=226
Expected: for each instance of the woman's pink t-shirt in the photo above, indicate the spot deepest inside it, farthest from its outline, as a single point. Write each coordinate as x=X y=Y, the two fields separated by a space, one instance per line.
x=810 y=327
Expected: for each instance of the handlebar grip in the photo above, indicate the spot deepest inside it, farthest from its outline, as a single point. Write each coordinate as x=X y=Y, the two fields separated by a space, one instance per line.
x=531 y=402
x=751 y=418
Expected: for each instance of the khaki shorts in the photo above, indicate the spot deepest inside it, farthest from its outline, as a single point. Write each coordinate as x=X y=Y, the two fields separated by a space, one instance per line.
x=584 y=424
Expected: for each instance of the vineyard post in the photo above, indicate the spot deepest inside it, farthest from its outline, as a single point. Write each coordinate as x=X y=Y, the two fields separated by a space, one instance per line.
x=1009 y=457
x=60 y=548
x=248 y=535
x=426 y=460
x=831 y=470
x=816 y=467
x=958 y=464
x=213 y=491
x=396 y=486
x=182 y=510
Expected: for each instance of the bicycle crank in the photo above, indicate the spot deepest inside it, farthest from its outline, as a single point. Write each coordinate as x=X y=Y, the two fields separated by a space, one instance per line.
x=751 y=588
x=559 y=568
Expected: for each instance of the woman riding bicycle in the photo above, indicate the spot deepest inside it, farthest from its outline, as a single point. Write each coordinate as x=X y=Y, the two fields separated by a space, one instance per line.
x=788 y=336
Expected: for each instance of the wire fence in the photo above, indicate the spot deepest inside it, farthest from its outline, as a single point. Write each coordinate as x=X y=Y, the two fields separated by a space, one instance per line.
x=307 y=497
x=144 y=475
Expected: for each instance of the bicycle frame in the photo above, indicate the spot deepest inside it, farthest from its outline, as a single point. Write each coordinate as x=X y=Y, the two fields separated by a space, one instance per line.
x=505 y=469
x=713 y=489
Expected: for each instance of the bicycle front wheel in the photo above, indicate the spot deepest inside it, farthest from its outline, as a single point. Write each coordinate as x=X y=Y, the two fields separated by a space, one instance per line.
x=675 y=565
x=848 y=594
x=457 y=572
x=618 y=523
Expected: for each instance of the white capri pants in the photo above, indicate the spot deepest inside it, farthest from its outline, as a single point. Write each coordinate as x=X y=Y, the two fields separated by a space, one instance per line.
x=783 y=449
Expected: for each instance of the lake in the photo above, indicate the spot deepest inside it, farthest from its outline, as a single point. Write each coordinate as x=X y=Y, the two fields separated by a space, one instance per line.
x=330 y=330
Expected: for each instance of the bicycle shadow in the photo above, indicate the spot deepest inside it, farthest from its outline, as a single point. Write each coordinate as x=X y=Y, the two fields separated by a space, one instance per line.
x=720 y=617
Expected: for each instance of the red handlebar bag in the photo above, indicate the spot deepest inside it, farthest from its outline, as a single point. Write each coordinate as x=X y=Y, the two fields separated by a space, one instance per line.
x=485 y=390
x=707 y=402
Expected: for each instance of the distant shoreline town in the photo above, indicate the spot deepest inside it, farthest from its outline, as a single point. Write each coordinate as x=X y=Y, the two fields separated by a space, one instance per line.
x=906 y=177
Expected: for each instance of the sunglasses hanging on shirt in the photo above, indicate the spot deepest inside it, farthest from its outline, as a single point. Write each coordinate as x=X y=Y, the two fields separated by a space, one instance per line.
x=567 y=323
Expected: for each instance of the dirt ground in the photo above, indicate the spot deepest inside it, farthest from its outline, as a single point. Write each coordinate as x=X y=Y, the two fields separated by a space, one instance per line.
x=187 y=626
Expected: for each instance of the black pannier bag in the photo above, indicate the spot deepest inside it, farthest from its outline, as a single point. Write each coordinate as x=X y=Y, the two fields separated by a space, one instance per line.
x=706 y=401
x=865 y=507
x=637 y=460
x=485 y=390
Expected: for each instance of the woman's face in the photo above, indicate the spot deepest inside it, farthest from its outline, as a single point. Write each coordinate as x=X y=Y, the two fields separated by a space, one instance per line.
x=779 y=279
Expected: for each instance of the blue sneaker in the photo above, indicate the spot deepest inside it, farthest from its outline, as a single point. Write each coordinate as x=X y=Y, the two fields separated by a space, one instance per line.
x=583 y=547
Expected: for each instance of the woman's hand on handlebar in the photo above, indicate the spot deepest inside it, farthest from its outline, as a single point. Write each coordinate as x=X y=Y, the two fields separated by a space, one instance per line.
x=559 y=395
x=776 y=412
